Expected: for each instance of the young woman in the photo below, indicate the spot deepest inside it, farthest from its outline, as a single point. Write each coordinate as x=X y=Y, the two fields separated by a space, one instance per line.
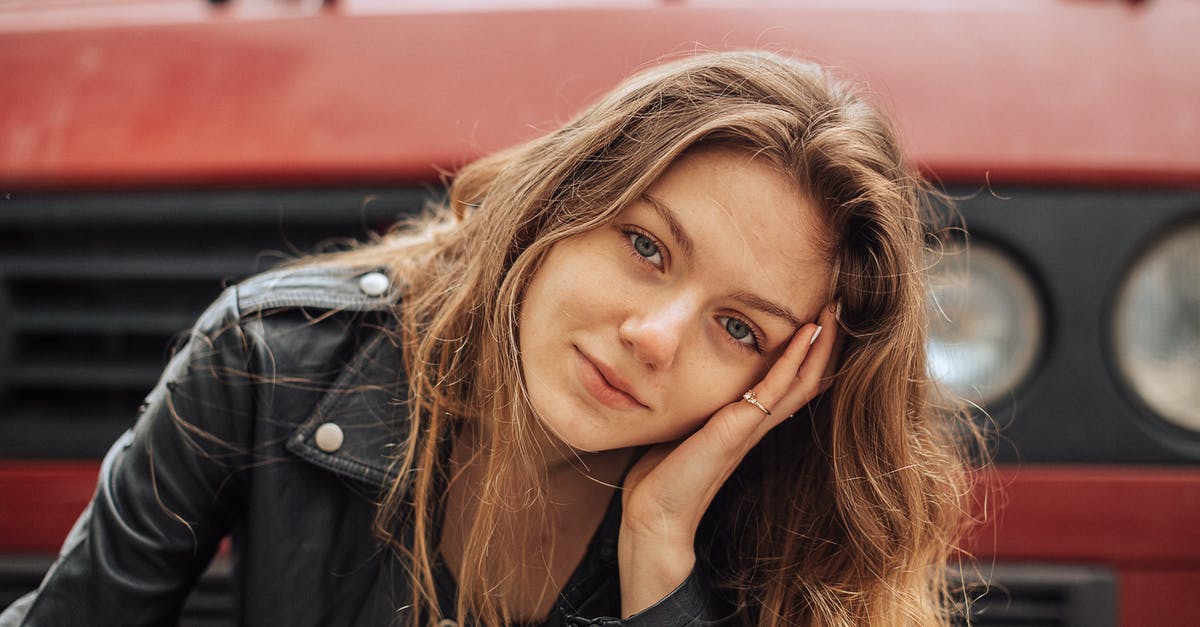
x=663 y=366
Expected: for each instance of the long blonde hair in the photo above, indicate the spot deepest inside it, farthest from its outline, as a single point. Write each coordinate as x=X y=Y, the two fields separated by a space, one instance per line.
x=845 y=516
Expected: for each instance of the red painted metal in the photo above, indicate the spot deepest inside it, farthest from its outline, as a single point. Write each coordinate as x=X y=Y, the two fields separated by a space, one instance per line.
x=1143 y=522
x=1140 y=521
x=1158 y=596
x=1035 y=91
x=40 y=500
x=1133 y=517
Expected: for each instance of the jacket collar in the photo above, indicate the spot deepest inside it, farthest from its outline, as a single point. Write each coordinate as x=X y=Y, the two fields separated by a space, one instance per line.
x=366 y=406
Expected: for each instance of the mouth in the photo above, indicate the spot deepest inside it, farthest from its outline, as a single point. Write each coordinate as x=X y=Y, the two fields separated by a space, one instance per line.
x=605 y=385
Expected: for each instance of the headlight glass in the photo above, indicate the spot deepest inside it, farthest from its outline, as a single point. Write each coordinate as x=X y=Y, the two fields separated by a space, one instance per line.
x=1156 y=327
x=986 y=324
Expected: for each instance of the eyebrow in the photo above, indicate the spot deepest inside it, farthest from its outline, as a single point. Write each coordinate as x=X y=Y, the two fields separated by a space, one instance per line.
x=757 y=302
x=748 y=299
x=668 y=216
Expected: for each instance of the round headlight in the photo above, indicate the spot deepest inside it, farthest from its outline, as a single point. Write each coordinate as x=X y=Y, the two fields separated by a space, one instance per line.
x=986 y=324
x=1156 y=327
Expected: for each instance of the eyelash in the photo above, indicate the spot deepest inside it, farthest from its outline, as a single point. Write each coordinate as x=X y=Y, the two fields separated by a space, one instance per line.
x=755 y=346
x=627 y=234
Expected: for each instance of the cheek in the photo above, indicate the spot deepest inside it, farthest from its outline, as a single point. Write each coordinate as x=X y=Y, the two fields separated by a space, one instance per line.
x=705 y=388
x=559 y=297
x=545 y=288
x=567 y=263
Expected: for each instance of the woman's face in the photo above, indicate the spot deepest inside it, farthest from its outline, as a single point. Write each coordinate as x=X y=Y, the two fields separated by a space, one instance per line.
x=637 y=332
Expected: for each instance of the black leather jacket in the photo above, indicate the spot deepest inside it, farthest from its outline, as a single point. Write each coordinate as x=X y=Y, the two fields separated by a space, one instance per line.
x=273 y=424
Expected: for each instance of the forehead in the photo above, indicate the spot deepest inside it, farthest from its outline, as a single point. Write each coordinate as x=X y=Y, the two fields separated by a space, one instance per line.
x=753 y=227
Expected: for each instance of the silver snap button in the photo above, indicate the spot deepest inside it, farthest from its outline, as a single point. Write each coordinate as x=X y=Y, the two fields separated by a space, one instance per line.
x=329 y=437
x=447 y=622
x=374 y=283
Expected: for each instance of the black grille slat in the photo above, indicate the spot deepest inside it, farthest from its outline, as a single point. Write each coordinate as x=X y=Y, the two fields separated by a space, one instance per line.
x=1021 y=604
x=167 y=267
x=156 y=296
x=1045 y=613
x=99 y=321
x=95 y=288
x=84 y=375
x=1038 y=595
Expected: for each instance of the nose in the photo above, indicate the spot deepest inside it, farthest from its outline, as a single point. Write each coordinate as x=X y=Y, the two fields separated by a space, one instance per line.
x=655 y=331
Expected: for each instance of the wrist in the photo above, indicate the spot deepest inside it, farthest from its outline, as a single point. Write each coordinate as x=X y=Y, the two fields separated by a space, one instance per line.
x=650 y=569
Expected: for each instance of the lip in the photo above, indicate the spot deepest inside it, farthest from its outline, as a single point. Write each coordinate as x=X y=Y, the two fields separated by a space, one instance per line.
x=605 y=385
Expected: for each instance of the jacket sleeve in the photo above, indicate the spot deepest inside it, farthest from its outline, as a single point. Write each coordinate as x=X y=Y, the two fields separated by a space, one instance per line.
x=691 y=604
x=168 y=492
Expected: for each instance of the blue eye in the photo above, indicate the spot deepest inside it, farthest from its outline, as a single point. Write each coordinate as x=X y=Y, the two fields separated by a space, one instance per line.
x=645 y=247
x=736 y=328
x=740 y=332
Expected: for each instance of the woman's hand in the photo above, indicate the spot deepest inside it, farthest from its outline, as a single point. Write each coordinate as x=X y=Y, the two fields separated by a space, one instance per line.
x=668 y=490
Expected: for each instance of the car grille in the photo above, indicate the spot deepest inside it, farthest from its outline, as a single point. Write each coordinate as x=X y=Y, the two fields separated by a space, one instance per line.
x=94 y=287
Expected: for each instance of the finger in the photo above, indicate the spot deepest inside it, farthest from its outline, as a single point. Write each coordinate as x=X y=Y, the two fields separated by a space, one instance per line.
x=835 y=357
x=696 y=468
x=731 y=432
x=679 y=480
x=774 y=390
x=739 y=425
x=811 y=377
x=783 y=372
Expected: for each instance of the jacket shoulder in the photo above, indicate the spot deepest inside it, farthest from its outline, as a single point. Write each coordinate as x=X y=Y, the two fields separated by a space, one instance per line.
x=328 y=327
x=321 y=287
x=266 y=309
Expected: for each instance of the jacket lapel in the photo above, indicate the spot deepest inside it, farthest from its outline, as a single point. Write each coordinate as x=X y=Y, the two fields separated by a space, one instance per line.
x=359 y=424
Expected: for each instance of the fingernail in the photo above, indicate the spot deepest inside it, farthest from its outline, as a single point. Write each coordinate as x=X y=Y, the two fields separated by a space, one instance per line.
x=812 y=340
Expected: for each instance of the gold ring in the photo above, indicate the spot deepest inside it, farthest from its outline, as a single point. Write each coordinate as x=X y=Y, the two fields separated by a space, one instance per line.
x=749 y=397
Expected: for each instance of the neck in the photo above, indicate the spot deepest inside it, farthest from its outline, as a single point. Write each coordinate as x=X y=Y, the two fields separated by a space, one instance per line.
x=562 y=460
x=544 y=543
x=562 y=464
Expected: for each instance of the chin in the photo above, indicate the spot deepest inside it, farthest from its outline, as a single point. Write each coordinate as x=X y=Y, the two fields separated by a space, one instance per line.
x=585 y=442
x=574 y=434
x=591 y=441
